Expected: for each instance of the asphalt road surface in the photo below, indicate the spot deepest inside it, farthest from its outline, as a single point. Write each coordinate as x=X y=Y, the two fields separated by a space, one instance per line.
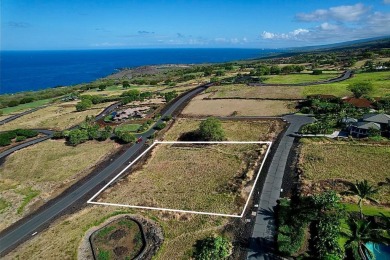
x=11 y=118
x=25 y=229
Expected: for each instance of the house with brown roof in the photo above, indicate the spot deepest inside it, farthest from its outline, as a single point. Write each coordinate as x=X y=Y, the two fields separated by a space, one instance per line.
x=358 y=102
x=137 y=112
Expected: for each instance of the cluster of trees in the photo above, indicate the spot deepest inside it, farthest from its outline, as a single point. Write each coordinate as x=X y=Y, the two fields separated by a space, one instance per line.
x=87 y=101
x=19 y=135
x=88 y=130
x=170 y=95
x=135 y=95
x=125 y=136
x=262 y=70
x=324 y=214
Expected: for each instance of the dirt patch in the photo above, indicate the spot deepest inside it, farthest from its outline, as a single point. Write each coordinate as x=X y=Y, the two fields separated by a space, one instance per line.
x=237 y=107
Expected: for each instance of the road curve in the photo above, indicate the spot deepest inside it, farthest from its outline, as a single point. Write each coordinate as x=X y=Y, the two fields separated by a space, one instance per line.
x=24 y=230
x=346 y=75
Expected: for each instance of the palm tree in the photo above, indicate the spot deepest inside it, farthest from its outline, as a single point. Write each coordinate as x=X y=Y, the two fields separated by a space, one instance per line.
x=363 y=190
x=359 y=234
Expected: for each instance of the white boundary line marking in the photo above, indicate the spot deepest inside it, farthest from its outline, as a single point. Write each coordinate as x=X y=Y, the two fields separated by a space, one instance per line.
x=178 y=210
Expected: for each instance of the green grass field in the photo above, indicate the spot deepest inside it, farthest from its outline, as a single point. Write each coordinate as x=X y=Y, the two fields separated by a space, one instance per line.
x=379 y=80
x=299 y=78
x=19 y=108
x=128 y=127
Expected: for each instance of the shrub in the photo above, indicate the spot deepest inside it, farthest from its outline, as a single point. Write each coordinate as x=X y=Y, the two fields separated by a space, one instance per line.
x=360 y=88
x=160 y=126
x=4 y=141
x=317 y=72
x=13 y=103
x=83 y=105
x=78 y=136
x=58 y=135
x=126 y=137
x=108 y=118
x=170 y=96
x=20 y=138
x=26 y=132
x=167 y=118
x=212 y=248
x=211 y=130
x=26 y=100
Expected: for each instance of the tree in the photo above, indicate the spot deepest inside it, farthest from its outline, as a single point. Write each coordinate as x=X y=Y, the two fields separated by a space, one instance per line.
x=360 y=233
x=211 y=130
x=360 y=88
x=126 y=137
x=160 y=126
x=363 y=190
x=327 y=201
x=170 y=95
x=102 y=87
x=212 y=248
x=317 y=72
x=275 y=70
x=77 y=136
x=125 y=84
x=83 y=105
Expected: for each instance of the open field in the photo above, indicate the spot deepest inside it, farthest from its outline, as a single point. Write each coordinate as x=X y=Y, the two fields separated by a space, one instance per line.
x=181 y=231
x=243 y=130
x=299 y=78
x=57 y=116
x=349 y=162
x=379 y=80
x=206 y=178
x=45 y=170
x=244 y=91
x=27 y=106
x=238 y=107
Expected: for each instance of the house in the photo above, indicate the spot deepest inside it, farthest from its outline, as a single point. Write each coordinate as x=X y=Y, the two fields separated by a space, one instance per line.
x=137 y=112
x=369 y=122
x=358 y=102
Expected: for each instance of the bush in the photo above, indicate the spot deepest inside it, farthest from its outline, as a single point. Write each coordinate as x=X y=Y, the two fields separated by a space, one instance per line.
x=77 y=136
x=58 y=135
x=108 y=118
x=166 y=118
x=4 y=141
x=26 y=100
x=212 y=248
x=360 y=88
x=13 y=103
x=170 y=96
x=317 y=72
x=160 y=126
x=211 y=130
x=20 y=138
x=83 y=105
x=26 y=132
x=126 y=137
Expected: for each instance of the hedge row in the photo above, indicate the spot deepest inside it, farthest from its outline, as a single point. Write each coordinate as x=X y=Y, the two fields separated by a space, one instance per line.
x=19 y=134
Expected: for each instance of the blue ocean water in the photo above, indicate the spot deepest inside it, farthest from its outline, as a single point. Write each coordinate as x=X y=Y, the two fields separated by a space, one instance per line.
x=33 y=70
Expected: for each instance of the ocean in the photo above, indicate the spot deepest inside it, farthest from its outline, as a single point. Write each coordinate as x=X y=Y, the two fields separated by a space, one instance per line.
x=34 y=70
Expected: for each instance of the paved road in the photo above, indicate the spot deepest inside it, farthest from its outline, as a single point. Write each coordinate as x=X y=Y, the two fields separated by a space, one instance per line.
x=263 y=235
x=11 y=118
x=346 y=75
x=19 y=233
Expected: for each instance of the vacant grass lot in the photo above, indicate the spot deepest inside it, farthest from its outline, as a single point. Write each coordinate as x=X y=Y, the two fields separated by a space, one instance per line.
x=238 y=107
x=242 y=130
x=299 y=78
x=36 y=173
x=181 y=231
x=27 y=106
x=350 y=162
x=57 y=116
x=379 y=80
x=200 y=178
x=244 y=91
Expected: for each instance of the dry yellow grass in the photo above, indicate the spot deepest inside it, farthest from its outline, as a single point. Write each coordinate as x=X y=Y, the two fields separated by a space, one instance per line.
x=243 y=130
x=56 y=116
x=181 y=231
x=346 y=161
x=239 y=107
x=48 y=167
x=214 y=178
x=244 y=91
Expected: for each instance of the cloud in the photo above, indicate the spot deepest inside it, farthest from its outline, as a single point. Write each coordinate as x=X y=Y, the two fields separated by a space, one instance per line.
x=144 y=32
x=18 y=24
x=343 y=13
x=296 y=34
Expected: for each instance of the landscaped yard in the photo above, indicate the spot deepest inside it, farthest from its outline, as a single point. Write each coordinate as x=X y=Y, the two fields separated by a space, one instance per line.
x=57 y=116
x=324 y=160
x=37 y=173
x=128 y=127
x=238 y=107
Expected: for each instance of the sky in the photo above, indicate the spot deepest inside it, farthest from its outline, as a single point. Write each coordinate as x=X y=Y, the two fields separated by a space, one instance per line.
x=119 y=24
